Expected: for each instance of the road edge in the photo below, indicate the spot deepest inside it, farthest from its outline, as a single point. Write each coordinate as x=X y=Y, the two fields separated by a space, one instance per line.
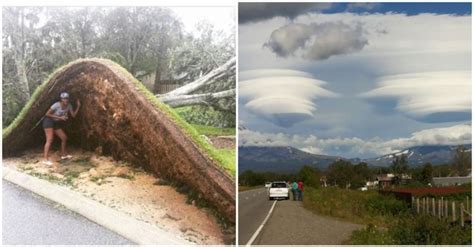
x=136 y=231
x=259 y=229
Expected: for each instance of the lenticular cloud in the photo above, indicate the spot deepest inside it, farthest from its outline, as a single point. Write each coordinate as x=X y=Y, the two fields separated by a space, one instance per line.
x=284 y=97
x=441 y=96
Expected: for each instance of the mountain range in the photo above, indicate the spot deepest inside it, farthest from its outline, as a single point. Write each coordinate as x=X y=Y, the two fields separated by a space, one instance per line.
x=286 y=159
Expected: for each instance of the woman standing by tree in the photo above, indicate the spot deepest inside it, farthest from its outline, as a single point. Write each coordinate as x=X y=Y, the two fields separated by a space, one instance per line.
x=54 y=123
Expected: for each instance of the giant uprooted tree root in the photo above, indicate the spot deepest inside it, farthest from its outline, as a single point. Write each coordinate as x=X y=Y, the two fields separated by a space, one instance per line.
x=119 y=117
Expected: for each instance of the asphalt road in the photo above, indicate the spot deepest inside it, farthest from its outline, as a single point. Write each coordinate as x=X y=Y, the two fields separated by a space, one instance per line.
x=289 y=223
x=253 y=208
x=31 y=219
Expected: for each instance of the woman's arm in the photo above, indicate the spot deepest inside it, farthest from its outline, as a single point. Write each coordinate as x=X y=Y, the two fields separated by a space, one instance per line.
x=74 y=113
x=50 y=114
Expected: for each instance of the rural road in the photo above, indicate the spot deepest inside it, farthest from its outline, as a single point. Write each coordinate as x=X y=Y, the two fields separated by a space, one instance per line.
x=32 y=220
x=289 y=223
x=253 y=208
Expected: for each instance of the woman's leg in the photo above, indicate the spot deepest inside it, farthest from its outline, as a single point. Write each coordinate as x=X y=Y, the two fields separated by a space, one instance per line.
x=60 y=133
x=49 y=139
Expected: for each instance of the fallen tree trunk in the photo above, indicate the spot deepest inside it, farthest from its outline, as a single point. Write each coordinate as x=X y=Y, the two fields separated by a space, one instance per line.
x=205 y=80
x=207 y=99
x=127 y=122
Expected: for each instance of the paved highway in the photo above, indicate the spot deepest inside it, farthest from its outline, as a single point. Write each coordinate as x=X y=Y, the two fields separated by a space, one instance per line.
x=32 y=220
x=288 y=224
x=253 y=208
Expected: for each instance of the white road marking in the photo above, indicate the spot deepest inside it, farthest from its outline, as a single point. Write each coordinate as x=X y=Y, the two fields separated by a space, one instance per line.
x=259 y=229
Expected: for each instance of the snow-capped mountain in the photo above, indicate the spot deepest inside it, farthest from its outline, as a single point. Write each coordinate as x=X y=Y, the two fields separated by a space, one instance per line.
x=280 y=159
x=420 y=155
x=289 y=159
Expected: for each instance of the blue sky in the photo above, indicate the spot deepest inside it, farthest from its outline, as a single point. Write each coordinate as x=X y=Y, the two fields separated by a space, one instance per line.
x=355 y=80
x=403 y=7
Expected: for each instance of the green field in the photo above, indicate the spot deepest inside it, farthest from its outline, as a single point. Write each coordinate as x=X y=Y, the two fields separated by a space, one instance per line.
x=387 y=219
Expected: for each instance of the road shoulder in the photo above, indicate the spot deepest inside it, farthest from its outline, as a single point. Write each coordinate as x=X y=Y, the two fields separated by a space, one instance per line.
x=291 y=224
x=132 y=229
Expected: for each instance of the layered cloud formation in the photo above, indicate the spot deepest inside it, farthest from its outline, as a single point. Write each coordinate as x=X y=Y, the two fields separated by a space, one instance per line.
x=398 y=74
x=357 y=147
x=283 y=97
x=438 y=96
x=316 y=41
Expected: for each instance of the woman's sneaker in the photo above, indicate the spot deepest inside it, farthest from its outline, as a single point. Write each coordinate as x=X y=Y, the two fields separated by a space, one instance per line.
x=66 y=157
x=47 y=162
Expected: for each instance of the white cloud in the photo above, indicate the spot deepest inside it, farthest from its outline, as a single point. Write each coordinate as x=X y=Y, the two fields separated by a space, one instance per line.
x=261 y=73
x=316 y=41
x=422 y=95
x=285 y=99
x=357 y=147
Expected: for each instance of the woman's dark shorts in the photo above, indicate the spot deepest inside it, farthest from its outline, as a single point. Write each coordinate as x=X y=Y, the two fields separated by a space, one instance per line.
x=50 y=123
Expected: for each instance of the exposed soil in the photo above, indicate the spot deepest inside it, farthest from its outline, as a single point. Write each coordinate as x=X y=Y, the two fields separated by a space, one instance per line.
x=223 y=142
x=121 y=121
x=130 y=190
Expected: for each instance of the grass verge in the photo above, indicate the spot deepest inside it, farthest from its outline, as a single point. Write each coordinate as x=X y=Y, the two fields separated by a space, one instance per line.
x=213 y=131
x=363 y=207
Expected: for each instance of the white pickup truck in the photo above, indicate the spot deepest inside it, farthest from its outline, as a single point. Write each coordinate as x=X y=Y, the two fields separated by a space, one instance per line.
x=279 y=190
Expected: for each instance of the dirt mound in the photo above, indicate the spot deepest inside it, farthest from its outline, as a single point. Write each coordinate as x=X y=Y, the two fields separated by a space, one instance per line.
x=121 y=118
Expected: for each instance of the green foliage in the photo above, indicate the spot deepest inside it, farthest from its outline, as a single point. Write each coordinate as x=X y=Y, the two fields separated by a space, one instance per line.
x=203 y=115
x=213 y=131
x=462 y=161
x=147 y=41
x=227 y=156
x=342 y=173
x=423 y=175
x=250 y=179
x=310 y=176
x=371 y=235
x=378 y=204
x=414 y=230
x=34 y=97
x=357 y=206
x=400 y=165
x=428 y=230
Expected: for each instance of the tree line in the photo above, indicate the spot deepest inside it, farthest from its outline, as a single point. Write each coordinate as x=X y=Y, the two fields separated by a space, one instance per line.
x=147 y=41
x=344 y=174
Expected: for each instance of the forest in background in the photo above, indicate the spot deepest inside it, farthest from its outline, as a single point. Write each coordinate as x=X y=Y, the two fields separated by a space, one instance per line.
x=150 y=42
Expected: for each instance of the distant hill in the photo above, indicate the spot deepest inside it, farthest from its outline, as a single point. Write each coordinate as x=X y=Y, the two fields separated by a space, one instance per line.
x=280 y=159
x=286 y=159
x=419 y=155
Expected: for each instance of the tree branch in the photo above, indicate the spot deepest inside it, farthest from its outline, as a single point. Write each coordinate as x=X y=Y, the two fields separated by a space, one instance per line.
x=205 y=80
x=207 y=99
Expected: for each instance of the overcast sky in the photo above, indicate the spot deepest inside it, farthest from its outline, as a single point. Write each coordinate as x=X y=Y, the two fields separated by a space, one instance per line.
x=356 y=80
x=223 y=18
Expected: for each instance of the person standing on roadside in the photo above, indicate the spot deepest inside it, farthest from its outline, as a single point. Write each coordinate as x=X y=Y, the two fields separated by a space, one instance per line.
x=294 y=189
x=300 y=191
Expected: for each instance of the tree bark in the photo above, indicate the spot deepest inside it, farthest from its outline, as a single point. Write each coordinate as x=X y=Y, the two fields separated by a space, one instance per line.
x=207 y=99
x=19 y=57
x=205 y=80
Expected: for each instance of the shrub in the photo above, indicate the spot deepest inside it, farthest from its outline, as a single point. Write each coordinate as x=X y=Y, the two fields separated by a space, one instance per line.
x=426 y=229
x=415 y=230
x=204 y=115
x=385 y=205
x=371 y=235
